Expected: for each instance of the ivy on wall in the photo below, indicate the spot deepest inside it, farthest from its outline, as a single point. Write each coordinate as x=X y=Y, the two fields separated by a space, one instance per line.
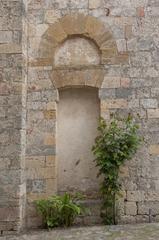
x=117 y=142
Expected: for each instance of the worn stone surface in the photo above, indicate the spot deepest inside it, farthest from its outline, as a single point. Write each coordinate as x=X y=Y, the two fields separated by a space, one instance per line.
x=134 y=232
x=77 y=52
x=12 y=116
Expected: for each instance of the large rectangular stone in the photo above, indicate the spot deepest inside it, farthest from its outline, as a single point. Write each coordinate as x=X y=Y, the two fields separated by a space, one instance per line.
x=41 y=173
x=153 y=113
x=154 y=149
x=10 y=48
x=31 y=197
x=35 y=161
x=125 y=82
x=111 y=82
x=152 y=195
x=123 y=92
x=106 y=93
x=155 y=92
x=50 y=161
x=36 y=185
x=135 y=196
x=5 y=36
x=49 y=139
x=114 y=104
x=130 y=208
x=93 y=4
x=145 y=207
x=149 y=103
x=9 y=214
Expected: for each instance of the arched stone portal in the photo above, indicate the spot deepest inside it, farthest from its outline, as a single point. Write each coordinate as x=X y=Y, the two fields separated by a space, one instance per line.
x=73 y=56
x=77 y=47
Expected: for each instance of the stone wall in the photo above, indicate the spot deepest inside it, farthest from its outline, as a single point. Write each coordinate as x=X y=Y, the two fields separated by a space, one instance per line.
x=12 y=115
x=126 y=35
x=131 y=84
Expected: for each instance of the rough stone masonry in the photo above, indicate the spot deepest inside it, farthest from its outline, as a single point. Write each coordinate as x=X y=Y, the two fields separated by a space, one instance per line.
x=119 y=57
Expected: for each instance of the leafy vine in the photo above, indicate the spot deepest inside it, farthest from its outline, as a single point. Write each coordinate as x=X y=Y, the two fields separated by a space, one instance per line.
x=117 y=142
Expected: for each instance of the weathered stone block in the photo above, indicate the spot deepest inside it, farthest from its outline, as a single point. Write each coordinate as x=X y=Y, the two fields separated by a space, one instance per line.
x=5 y=36
x=121 y=45
x=49 y=114
x=56 y=32
x=52 y=15
x=51 y=106
x=135 y=196
x=35 y=162
x=127 y=219
x=131 y=208
x=85 y=77
x=105 y=93
x=31 y=197
x=51 y=186
x=97 y=31
x=153 y=113
x=142 y=219
x=74 y=24
x=152 y=195
x=10 y=48
x=36 y=185
x=41 y=62
x=124 y=172
x=111 y=82
x=144 y=208
x=134 y=103
x=155 y=92
x=116 y=59
x=140 y=12
x=123 y=92
x=149 y=103
x=47 y=51
x=109 y=52
x=93 y=4
x=9 y=214
x=41 y=173
x=49 y=139
x=34 y=150
x=78 y=4
x=50 y=161
x=119 y=103
x=154 y=149
x=128 y=31
x=125 y=82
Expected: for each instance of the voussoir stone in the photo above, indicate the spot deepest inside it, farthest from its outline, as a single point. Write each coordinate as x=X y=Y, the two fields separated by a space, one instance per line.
x=74 y=24
x=56 y=33
x=97 y=31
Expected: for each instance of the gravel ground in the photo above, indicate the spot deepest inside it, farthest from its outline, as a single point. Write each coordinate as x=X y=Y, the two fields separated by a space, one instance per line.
x=125 y=232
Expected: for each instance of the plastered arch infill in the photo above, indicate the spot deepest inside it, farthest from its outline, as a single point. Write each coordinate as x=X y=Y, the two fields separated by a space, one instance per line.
x=82 y=26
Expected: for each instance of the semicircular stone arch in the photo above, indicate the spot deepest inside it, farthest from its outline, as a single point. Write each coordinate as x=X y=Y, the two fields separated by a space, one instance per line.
x=78 y=26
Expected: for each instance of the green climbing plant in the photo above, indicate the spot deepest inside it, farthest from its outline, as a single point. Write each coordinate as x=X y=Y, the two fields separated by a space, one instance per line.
x=117 y=142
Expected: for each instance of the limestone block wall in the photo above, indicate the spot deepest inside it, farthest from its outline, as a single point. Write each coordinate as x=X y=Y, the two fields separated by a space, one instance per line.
x=12 y=115
x=129 y=82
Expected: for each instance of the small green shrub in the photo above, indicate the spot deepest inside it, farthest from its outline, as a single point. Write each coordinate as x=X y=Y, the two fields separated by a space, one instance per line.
x=117 y=142
x=60 y=210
